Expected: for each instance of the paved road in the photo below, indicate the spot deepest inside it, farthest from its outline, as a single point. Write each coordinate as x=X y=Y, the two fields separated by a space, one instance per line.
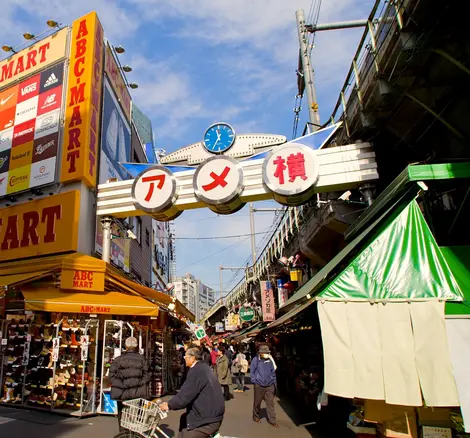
x=21 y=423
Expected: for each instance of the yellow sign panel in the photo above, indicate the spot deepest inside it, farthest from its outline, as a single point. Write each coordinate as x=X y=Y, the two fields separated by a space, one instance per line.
x=45 y=226
x=82 y=280
x=83 y=105
x=18 y=179
x=34 y=58
x=113 y=72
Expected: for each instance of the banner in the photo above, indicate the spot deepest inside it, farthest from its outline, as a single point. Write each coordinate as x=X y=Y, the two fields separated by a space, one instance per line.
x=219 y=327
x=33 y=58
x=282 y=293
x=83 y=111
x=44 y=226
x=267 y=301
x=113 y=73
x=30 y=114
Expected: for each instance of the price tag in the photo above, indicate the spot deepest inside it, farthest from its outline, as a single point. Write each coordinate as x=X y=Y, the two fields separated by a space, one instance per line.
x=55 y=349
x=84 y=340
x=26 y=353
x=84 y=352
x=4 y=341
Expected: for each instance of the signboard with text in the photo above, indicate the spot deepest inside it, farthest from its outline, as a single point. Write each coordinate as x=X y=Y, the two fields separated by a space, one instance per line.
x=246 y=314
x=29 y=131
x=44 y=226
x=82 y=280
x=83 y=104
x=267 y=301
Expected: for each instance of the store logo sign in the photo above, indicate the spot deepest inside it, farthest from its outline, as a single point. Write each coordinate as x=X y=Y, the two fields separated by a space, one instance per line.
x=95 y=309
x=82 y=280
x=28 y=89
x=15 y=180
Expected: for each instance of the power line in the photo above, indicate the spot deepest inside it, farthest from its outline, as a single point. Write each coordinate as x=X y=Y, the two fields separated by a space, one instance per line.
x=216 y=237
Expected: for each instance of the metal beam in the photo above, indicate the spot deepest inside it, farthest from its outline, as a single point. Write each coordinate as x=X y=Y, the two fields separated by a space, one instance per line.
x=312 y=28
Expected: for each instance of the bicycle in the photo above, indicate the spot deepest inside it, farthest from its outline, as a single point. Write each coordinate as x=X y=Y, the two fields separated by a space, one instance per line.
x=141 y=419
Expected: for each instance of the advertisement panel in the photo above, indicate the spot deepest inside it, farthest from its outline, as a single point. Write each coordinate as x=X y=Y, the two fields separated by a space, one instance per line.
x=33 y=58
x=115 y=148
x=267 y=301
x=83 y=104
x=29 y=131
x=113 y=73
x=45 y=226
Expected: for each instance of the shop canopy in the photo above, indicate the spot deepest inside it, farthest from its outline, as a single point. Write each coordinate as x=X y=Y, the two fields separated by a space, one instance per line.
x=111 y=303
x=458 y=259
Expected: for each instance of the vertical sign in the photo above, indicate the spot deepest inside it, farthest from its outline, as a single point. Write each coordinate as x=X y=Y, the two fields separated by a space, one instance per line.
x=267 y=301
x=82 y=115
x=282 y=293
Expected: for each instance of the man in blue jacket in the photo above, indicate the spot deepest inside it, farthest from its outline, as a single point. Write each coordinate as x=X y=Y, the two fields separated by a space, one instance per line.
x=263 y=377
x=202 y=397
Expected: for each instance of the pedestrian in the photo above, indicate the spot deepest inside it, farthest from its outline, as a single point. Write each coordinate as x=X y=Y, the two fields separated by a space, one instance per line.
x=240 y=368
x=206 y=354
x=229 y=354
x=214 y=356
x=129 y=375
x=223 y=373
x=263 y=377
x=202 y=398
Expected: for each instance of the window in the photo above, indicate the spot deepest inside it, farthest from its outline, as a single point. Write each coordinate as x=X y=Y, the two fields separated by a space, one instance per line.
x=138 y=229
x=147 y=236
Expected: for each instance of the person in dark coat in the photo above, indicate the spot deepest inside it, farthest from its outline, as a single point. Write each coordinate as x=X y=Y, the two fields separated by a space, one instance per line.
x=129 y=375
x=222 y=370
x=202 y=397
x=263 y=377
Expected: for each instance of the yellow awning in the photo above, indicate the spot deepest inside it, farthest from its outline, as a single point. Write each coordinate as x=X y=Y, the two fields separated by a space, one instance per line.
x=54 y=263
x=14 y=279
x=51 y=299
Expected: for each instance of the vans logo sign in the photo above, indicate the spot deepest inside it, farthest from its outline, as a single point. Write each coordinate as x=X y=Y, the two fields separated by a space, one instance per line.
x=28 y=89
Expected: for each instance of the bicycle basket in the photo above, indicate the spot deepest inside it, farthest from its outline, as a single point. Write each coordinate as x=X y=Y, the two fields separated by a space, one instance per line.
x=140 y=415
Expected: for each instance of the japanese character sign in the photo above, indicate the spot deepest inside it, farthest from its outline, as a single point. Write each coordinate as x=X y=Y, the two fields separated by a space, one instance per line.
x=219 y=180
x=154 y=190
x=267 y=301
x=291 y=170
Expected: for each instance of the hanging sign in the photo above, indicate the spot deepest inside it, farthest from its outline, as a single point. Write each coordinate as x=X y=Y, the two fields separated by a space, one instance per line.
x=246 y=314
x=282 y=293
x=219 y=327
x=291 y=172
x=267 y=301
x=200 y=333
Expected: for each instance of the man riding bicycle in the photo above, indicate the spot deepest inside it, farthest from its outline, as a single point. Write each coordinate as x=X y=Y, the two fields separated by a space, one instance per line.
x=202 y=397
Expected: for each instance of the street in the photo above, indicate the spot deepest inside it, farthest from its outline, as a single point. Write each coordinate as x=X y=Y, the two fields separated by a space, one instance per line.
x=16 y=423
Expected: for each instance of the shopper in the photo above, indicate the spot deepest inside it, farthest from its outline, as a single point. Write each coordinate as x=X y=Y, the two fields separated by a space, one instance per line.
x=229 y=353
x=223 y=372
x=240 y=368
x=201 y=395
x=129 y=375
x=263 y=377
x=206 y=354
x=214 y=356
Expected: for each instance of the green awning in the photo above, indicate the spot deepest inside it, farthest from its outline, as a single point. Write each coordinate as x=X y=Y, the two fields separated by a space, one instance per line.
x=402 y=262
x=458 y=259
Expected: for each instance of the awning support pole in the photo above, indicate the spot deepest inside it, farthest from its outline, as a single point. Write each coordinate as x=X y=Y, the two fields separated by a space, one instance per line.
x=106 y=223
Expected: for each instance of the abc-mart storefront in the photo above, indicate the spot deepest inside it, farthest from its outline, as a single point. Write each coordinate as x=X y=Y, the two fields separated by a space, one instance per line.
x=57 y=302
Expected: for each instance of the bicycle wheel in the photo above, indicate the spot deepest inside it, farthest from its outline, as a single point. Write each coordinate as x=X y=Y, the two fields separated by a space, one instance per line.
x=129 y=434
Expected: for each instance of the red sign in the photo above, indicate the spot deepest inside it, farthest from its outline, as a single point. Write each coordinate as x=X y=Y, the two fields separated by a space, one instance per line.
x=50 y=100
x=23 y=133
x=218 y=180
x=95 y=309
x=29 y=89
x=267 y=301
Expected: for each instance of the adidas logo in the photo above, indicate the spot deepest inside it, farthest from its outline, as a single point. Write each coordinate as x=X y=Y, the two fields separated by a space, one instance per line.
x=51 y=80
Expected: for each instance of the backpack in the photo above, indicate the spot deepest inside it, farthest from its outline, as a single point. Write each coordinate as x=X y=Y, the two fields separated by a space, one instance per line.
x=244 y=365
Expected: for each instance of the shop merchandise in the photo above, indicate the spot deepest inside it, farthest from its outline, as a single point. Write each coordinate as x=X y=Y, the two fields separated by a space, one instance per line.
x=50 y=363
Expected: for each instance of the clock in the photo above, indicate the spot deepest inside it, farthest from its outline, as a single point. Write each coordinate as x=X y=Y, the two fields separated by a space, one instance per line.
x=219 y=138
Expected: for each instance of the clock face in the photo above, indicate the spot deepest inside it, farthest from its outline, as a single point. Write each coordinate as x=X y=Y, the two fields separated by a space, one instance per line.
x=219 y=138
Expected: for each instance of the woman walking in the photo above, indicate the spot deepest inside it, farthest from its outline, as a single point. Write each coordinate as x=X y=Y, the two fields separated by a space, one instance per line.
x=222 y=369
x=240 y=368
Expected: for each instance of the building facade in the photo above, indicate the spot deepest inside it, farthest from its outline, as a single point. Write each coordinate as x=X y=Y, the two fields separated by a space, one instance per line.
x=194 y=294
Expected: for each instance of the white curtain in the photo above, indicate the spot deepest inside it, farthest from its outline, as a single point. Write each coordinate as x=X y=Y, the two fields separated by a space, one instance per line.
x=390 y=352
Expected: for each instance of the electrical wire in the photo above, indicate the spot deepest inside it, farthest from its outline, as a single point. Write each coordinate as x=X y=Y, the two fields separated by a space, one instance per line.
x=215 y=237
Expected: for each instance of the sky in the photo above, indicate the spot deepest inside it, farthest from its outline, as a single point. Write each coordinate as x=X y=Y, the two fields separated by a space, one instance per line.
x=201 y=61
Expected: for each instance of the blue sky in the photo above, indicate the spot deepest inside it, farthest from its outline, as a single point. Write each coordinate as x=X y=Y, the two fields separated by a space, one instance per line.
x=201 y=61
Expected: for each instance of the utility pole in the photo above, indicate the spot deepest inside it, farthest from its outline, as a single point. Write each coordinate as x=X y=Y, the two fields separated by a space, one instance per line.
x=307 y=71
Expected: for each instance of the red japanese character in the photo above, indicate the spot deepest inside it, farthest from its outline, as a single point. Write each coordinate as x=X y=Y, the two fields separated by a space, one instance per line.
x=151 y=180
x=219 y=180
x=280 y=167
x=296 y=166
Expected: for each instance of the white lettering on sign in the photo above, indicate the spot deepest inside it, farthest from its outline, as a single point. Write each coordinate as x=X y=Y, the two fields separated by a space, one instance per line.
x=154 y=190
x=291 y=169
x=218 y=180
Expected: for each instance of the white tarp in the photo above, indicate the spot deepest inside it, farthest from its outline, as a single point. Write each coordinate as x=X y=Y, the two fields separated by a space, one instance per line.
x=383 y=352
x=458 y=335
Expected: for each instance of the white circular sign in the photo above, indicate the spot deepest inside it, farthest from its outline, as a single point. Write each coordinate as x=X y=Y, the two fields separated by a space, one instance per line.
x=290 y=169
x=154 y=190
x=218 y=180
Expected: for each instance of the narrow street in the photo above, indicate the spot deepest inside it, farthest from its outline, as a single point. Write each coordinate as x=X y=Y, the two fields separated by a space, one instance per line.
x=19 y=423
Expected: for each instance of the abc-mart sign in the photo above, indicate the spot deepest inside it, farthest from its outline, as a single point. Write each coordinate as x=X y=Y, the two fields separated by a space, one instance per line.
x=289 y=173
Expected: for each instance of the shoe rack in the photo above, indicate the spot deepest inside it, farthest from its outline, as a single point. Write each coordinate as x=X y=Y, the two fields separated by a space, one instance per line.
x=49 y=363
x=114 y=341
x=74 y=353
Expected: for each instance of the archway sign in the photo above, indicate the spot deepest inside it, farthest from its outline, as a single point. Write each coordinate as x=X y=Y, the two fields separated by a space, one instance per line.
x=224 y=171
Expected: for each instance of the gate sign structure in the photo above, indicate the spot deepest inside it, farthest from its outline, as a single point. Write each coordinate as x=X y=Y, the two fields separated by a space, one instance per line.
x=225 y=171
